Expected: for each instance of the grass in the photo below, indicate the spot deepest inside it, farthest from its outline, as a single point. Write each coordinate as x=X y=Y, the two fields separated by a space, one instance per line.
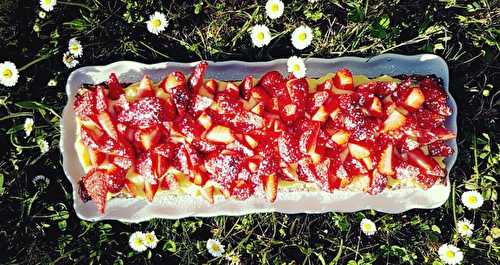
x=39 y=225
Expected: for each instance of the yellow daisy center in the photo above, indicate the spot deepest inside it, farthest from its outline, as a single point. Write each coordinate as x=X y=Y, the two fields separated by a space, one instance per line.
x=302 y=36
x=275 y=8
x=149 y=238
x=156 y=22
x=472 y=200
x=215 y=248
x=7 y=73
x=367 y=227
x=260 y=36
x=74 y=47
x=138 y=241
x=465 y=227
x=296 y=67
x=450 y=254
x=47 y=2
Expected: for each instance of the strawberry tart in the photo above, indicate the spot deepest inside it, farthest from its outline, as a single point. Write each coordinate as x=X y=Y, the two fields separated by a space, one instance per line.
x=259 y=136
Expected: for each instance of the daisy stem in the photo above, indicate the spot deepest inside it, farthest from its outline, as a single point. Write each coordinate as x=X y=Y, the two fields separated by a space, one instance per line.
x=155 y=51
x=76 y=4
x=39 y=59
x=453 y=204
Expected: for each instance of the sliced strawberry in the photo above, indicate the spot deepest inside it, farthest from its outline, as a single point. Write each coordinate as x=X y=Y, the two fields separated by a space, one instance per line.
x=197 y=75
x=90 y=138
x=406 y=171
x=148 y=137
x=386 y=161
x=96 y=157
x=415 y=98
x=115 y=88
x=145 y=112
x=343 y=80
x=96 y=187
x=354 y=167
x=262 y=96
x=427 y=180
x=297 y=91
x=121 y=104
x=146 y=87
x=199 y=176
x=375 y=107
x=443 y=134
x=108 y=124
x=359 y=150
x=211 y=86
x=115 y=179
x=273 y=82
x=224 y=167
x=429 y=165
x=188 y=126
x=85 y=103
x=306 y=170
x=270 y=183
x=220 y=134
x=102 y=101
x=288 y=146
x=439 y=148
x=241 y=189
x=232 y=90
x=246 y=86
x=123 y=162
x=316 y=100
x=394 y=121
x=176 y=85
x=246 y=121
x=407 y=143
x=308 y=132
x=378 y=183
x=150 y=190
x=144 y=167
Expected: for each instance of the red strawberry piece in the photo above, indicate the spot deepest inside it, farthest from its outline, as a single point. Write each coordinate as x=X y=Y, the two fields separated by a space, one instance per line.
x=82 y=191
x=354 y=167
x=298 y=90
x=204 y=146
x=343 y=79
x=212 y=86
x=261 y=95
x=405 y=144
x=427 y=180
x=273 y=82
x=378 y=183
x=115 y=179
x=90 y=138
x=440 y=108
x=370 y=88
x=148 y=137
x=288 y=146
x=115 y=147
x=308 y=136
x=439 y=148
x=428 y=119
x=188 y=126
x=229 y=104
x=175 y=85
x=145 y=112
x=108 y=124
x=406 y=171
x=146 y=87
x=85 y=103
x=316 y=100
x=246 y=86
x=115 y=88
x=197 y=75
x=306 y=170
x=246 y=121
x=224 y=166
x=166 y=150
x=442 y=133
x=96 y=187
x=123 y=162
x=144 y=167
x=346 y=102
x=427 y=164
x=325 y=86
x=241 y=189
x=270 y=162
x=102 y=100
x=121 y=104
x=186 y=159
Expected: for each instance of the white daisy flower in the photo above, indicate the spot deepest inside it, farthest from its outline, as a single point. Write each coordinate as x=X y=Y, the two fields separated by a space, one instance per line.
x=260 y=35
x=450 y=254
x=157 y=23
x=495 y=232
x=137 y=241
x=465 y=228
x=150 y=240
x=28 y=126
x=302 y=37
x=274 y=8
x=52 y=82
x=215 y=248
x=8 y=74
x=43 y=145
x=48 y=5
x=296 y=66
x=313 y=1
x=36 y=28
x=42 y=14
x=472 y=199
x=75 y=47
x=368 y=227
x=69 y=60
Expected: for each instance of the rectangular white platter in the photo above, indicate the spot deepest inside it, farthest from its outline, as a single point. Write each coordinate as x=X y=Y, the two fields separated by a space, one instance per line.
x=173 y=207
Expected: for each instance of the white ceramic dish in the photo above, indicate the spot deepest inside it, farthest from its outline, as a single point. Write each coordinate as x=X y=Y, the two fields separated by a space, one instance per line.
x=135 y=210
